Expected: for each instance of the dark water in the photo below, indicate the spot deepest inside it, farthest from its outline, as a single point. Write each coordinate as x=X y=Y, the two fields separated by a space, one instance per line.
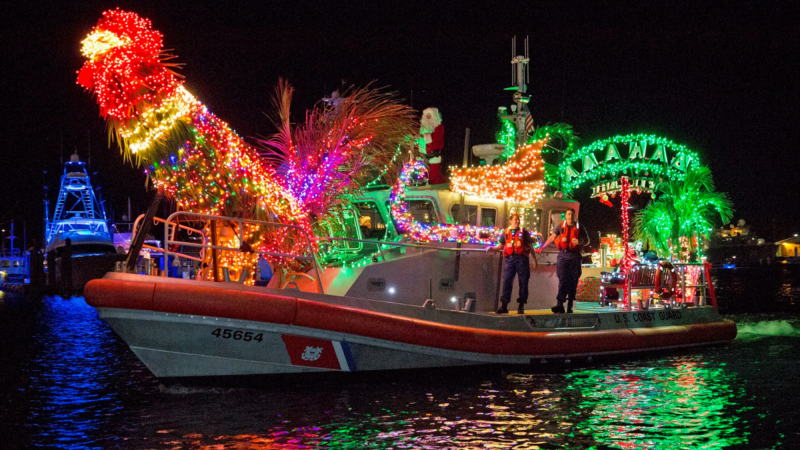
x=66 y=381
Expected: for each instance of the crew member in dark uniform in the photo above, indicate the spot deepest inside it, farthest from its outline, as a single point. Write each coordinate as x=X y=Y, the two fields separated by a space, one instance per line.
x=570 y=238
x=516 y=243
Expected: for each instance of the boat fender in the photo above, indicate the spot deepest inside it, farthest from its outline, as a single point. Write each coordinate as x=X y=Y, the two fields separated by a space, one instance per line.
x=665 y=292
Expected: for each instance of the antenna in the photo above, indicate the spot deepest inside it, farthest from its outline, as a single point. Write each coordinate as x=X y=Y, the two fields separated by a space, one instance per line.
x=527 y=66
x=513 y=69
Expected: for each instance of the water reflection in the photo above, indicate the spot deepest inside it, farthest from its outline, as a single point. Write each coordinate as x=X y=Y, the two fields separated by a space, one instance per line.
x=75 y=374
x=682 y=403
x=80 y=386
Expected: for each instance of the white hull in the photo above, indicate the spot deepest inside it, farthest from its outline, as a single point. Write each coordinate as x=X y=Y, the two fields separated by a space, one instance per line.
x=209 y=331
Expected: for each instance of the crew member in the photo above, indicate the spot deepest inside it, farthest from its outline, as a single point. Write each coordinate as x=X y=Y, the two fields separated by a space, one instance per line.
x=431 y=132
x=516 y=243
x=570 y=238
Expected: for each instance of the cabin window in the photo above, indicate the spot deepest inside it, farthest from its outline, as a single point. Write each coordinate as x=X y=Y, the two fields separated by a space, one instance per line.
x=488 y=217
x=370 y=220
x=470 y=214
x=556 y=217
x=531 y=219
x=421 y=211
x=342 y=223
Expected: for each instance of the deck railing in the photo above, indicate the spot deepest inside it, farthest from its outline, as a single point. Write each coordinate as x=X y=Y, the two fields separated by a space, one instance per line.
x=643 y=277
x=173 y=222
x=170 y=239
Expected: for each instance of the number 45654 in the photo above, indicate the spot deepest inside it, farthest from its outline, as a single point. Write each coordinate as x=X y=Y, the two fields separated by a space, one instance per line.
x=238 y=335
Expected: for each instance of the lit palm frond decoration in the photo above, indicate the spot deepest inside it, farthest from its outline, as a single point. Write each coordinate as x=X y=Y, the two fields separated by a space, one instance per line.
x=344 y=143
x=683 y=209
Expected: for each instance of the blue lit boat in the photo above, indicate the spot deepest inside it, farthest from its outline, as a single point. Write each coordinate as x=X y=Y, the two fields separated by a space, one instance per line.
x=80 y=221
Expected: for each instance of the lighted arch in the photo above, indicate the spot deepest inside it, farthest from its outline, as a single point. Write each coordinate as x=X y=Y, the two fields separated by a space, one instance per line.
x=644 y=158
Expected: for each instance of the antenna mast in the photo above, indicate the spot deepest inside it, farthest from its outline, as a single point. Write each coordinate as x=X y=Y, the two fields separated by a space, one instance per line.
x=520 y=76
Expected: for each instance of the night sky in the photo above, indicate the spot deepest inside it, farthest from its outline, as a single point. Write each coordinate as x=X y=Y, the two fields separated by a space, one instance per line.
x=721 y=80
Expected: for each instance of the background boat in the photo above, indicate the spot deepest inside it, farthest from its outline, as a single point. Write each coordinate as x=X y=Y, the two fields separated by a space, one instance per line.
x=78 y=243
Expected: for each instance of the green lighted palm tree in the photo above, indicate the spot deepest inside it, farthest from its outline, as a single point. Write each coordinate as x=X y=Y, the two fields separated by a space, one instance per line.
x=682 y=208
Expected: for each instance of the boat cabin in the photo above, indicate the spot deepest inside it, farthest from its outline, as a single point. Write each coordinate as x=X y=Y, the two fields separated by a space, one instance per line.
x=436 y=204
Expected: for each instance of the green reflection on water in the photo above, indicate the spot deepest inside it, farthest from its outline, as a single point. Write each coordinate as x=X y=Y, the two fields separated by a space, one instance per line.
x=678 y=404
x=681 y=402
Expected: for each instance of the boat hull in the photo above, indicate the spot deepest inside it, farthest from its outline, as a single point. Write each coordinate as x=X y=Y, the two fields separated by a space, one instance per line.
x=180 y=329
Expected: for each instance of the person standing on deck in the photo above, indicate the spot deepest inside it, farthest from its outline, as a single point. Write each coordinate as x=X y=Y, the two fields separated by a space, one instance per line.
x=570 y=237
x=516 y=243
x=431 y=131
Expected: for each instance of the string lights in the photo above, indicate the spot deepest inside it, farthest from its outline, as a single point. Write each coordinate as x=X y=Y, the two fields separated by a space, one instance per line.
x=626 y=256
x=191 y=155
x=650 y=157
x=519 y=180
x=424 y=232
x=343 y=142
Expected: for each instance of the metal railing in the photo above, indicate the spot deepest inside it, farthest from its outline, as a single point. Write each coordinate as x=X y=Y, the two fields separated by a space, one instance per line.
x=171 y=230
x=380 y=245
x=642 y=277
x=169 y=241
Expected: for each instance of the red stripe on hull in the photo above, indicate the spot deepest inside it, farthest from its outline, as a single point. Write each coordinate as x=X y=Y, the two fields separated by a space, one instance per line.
x=203 y=301
x=267 y=308
x=119 y=294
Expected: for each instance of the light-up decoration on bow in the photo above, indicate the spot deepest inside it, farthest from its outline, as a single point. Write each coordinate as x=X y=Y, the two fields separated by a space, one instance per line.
x=520 y=180
x=192 y=156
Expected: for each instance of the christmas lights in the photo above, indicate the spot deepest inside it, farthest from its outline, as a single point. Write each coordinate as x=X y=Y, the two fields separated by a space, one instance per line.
x=423 y=232
x=192 y=156
x=338 y=148
x=602 y=159
x=679 y=218
x=507 y=136
x=520 y=180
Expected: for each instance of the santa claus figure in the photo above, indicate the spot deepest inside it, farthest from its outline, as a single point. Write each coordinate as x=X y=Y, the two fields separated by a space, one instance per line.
x=431 y=131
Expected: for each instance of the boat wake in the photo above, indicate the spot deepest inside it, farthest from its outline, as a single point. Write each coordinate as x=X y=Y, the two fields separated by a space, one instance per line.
x=178 y=389
x=770 y=328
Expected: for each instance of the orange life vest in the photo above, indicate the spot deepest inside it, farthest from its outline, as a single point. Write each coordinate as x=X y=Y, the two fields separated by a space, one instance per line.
x=568 y=233
x=514 y=244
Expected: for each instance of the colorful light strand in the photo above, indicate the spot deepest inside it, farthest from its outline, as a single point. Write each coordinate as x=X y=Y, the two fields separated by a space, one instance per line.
x=193 y=156
x=625 y=196
x=519 y=180
x=424 y=232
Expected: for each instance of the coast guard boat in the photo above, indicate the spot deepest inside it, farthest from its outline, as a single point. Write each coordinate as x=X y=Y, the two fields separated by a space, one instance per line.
x=417 y=306
x=376 y=300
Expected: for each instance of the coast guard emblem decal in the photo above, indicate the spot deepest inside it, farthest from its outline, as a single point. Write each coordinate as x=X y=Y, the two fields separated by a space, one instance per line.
x=320 y=353
x=311 y=353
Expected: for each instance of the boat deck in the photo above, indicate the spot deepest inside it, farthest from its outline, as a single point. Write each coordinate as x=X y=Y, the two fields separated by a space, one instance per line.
x=579 y=308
